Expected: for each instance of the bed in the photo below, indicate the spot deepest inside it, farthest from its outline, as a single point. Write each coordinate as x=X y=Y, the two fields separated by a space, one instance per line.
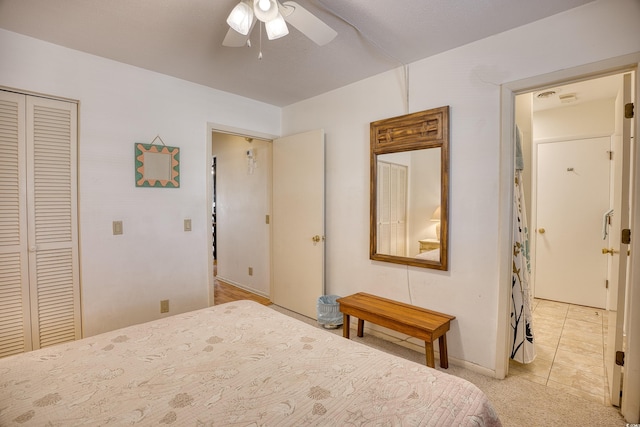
x=431 y=255
x=235 y=364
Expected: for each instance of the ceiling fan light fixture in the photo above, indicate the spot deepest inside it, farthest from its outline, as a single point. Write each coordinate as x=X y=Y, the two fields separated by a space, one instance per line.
x=277 y=15
x=265 y=15
x=276 y=28
x=241 y=17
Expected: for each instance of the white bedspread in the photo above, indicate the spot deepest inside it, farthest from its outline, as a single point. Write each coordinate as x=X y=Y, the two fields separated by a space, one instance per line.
x=432 y=255
x=236 y=364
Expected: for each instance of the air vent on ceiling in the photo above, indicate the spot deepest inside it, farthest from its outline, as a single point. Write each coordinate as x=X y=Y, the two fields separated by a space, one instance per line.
x=568 y=97
x=546 y=94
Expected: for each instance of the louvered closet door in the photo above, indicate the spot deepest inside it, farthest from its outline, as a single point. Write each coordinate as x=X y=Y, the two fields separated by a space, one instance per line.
x=39 y=280
x=392 y=209
x=52 y=224
x=399 y=208
x=15 y=321
x=384 y=206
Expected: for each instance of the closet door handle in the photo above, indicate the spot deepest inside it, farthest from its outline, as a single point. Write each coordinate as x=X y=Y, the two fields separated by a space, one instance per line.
x=33 y=249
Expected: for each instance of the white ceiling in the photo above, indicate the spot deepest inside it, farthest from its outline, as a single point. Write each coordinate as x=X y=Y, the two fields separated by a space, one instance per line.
x=576 y=93
x=183 y=38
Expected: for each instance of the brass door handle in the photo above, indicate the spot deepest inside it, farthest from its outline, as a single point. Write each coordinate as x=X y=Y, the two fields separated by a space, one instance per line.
x=609 y=251
x=541 y=230
x=316 y=239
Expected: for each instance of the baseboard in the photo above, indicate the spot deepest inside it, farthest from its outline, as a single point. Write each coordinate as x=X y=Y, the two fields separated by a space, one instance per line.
x=243 y=287
x=418 y=345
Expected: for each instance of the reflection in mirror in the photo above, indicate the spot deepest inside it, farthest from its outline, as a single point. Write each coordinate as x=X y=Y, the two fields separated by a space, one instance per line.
x=157 y=165
x=408 y=196
x=409 y=189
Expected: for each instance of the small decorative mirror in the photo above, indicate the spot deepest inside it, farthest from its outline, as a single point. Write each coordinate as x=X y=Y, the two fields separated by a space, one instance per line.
x=409 y=189
x=157 y=165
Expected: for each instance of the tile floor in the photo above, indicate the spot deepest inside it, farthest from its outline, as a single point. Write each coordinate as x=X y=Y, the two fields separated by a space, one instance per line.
x=570 y=350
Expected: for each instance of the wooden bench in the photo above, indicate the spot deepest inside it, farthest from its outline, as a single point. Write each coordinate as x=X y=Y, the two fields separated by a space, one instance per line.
x=408 y=319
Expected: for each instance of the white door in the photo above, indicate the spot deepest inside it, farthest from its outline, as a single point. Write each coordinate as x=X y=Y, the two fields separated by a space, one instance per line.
x=618 y=250
x=39 y=279
x=392 y=209
x=572 y=197
x=298 y=221
x=15 y=320
x=52 y=221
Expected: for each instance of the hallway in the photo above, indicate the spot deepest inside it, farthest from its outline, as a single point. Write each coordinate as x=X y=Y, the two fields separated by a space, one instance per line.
x=570 y=342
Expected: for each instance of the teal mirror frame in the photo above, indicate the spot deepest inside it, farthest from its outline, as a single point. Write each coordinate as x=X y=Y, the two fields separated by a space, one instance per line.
x=142 y=165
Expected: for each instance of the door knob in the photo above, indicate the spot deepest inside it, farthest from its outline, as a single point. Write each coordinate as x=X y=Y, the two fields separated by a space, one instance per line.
x=315 y=239
x=609 y=251
x=541 y=230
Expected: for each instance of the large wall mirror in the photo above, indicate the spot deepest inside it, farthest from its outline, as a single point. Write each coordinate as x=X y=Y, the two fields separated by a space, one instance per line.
x=410 y=189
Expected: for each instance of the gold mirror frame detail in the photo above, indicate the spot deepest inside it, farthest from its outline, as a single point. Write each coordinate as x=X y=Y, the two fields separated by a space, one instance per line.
x=417 y=131
x=157 y=165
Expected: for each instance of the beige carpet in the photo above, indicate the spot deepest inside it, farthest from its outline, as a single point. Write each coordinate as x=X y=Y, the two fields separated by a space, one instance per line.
x=517 y=401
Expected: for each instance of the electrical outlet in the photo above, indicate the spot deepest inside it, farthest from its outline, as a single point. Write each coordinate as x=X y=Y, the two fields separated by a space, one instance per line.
x=117 y=227
x=250 y=271
x=164 y=306
x=187 y=225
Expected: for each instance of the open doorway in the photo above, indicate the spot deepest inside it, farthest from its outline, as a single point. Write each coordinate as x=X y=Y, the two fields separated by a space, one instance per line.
x=561 y=127
x=213 y=211
x=241 y=204
x=270 y=226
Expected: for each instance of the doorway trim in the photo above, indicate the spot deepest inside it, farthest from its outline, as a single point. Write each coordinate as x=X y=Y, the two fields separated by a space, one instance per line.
x=211 y=128
x=631 y=402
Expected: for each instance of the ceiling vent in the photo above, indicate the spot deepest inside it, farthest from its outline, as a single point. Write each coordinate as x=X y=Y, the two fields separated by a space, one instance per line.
x=568 y=97
x=545 y=94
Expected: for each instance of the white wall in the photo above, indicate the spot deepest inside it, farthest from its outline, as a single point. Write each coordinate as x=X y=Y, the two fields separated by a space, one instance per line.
x=243 y=200
x=589 y=119
x=469 y=80
x=124 y=277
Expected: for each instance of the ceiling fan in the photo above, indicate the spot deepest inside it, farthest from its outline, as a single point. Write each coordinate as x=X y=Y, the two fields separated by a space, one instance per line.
x=275 y=16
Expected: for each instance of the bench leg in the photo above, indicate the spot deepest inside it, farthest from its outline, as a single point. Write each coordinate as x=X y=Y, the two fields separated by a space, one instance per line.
x=360 y=328
x=444 y=357
x=428 y=347
x=345 y=325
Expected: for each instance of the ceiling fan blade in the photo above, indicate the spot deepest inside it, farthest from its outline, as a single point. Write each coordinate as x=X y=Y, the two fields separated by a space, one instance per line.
x=235 y=39
x=307 y=23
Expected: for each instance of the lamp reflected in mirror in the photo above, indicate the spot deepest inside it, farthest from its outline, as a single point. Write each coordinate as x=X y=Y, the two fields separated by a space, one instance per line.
x=435 y=217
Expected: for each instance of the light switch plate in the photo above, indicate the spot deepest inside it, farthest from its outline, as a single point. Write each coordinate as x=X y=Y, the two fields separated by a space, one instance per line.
x=117 y=227
x=164 y=306
x=187 y=224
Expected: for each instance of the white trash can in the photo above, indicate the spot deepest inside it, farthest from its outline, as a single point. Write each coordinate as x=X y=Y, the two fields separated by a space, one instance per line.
x=329 y=315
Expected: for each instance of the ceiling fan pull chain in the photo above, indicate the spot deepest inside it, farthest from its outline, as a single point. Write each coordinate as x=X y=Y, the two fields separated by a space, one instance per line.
x=260 y=53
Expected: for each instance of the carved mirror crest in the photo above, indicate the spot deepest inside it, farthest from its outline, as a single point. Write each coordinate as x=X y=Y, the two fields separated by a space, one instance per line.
x=409 y=189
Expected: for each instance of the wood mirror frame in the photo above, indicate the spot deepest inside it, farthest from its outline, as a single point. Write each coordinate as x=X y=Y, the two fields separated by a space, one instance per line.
x=417 y=131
